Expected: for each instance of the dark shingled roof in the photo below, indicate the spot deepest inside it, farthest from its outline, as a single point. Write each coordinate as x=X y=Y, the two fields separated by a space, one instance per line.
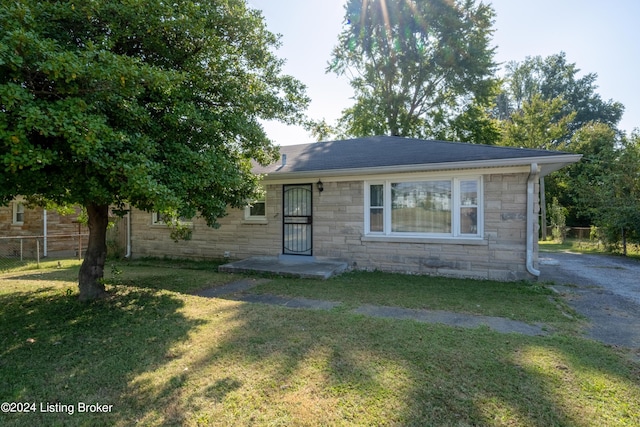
x=389 y=152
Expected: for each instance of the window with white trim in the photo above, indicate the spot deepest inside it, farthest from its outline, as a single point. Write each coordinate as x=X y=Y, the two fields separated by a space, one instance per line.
x=18 y=213
x=433 y=207
x=469 y=193
x=376 y=208
x=256 y=210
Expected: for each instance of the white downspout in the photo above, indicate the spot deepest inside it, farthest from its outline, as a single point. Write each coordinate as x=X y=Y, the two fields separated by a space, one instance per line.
x=44 y=232
x=531 y=215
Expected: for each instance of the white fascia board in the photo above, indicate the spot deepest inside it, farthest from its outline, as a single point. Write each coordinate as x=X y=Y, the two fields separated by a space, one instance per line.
x=548 y=165
x=440 y=173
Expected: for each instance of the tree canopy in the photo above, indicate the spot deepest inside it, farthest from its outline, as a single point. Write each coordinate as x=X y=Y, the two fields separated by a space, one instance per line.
x=553 y=78
x=606 y=184
x=146 y=102
x=537 y=124
x=415 y=67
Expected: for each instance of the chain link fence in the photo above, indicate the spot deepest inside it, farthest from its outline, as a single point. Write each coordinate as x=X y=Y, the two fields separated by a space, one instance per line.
x=17 y=251
x=580 y=233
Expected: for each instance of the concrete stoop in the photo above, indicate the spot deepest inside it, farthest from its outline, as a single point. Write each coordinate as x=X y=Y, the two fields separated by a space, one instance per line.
x=295 y=266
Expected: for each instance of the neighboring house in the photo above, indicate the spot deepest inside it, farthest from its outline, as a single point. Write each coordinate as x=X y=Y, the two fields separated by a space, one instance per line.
x=56 y=235
x=387 y=203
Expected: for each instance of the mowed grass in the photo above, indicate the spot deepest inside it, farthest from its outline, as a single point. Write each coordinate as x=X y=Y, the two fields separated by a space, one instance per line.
x=525 y=301
x=163 y=357
x=587 y=247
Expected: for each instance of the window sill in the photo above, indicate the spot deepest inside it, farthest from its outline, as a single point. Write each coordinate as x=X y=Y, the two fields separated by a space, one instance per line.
x=477 y=241
x=256 y=221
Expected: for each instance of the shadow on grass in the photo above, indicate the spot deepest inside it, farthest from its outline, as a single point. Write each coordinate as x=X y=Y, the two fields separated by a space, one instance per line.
x=323 y=368
x=273 y=365
x=165 y=359
x=55 y=349
x=210 y=264
x=157 y=276
x=57 y=275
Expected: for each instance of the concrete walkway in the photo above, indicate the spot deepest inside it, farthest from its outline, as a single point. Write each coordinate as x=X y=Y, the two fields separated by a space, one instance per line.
x=230 y=288
x=234 y=291
x=498 y=324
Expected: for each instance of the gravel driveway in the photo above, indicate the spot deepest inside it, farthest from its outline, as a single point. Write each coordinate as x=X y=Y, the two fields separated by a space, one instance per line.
x=605 y=289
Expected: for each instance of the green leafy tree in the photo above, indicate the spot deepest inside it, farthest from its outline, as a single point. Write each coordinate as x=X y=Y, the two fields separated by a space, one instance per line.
x=415 y=67
x=146 y=102
x=475 y=125
x=552 y=78
x=608 y=184
x=558 y=216
x=596 y=142
x=534 y=124
x=320 y=130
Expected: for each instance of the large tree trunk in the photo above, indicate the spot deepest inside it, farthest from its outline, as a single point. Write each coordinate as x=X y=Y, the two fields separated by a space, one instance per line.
x=92 y=269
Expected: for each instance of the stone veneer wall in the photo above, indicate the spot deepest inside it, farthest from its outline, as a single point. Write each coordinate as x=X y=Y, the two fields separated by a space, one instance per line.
x=238 y=237
x=338 y=232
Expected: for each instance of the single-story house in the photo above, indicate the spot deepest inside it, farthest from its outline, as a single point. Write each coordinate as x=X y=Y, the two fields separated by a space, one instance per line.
x=383 y=202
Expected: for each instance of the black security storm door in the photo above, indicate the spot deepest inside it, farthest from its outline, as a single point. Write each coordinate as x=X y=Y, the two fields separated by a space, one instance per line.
x=297 y=219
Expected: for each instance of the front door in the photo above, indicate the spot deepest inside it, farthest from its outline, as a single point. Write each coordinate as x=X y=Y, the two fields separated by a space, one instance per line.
x=296 y=213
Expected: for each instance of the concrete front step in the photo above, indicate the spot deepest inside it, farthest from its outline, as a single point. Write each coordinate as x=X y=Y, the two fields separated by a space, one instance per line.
x=289 y=266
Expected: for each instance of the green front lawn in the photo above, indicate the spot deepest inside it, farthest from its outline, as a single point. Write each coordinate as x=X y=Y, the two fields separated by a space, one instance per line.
x=526 y=301
x=160 y=356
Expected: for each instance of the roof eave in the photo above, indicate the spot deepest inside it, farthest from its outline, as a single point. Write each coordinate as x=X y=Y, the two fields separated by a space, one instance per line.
x=548 y=164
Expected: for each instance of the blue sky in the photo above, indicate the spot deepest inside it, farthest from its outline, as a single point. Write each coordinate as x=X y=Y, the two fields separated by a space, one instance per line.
x=599 y=37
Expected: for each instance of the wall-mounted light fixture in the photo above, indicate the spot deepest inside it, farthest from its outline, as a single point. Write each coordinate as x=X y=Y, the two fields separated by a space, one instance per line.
x=320 y=186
